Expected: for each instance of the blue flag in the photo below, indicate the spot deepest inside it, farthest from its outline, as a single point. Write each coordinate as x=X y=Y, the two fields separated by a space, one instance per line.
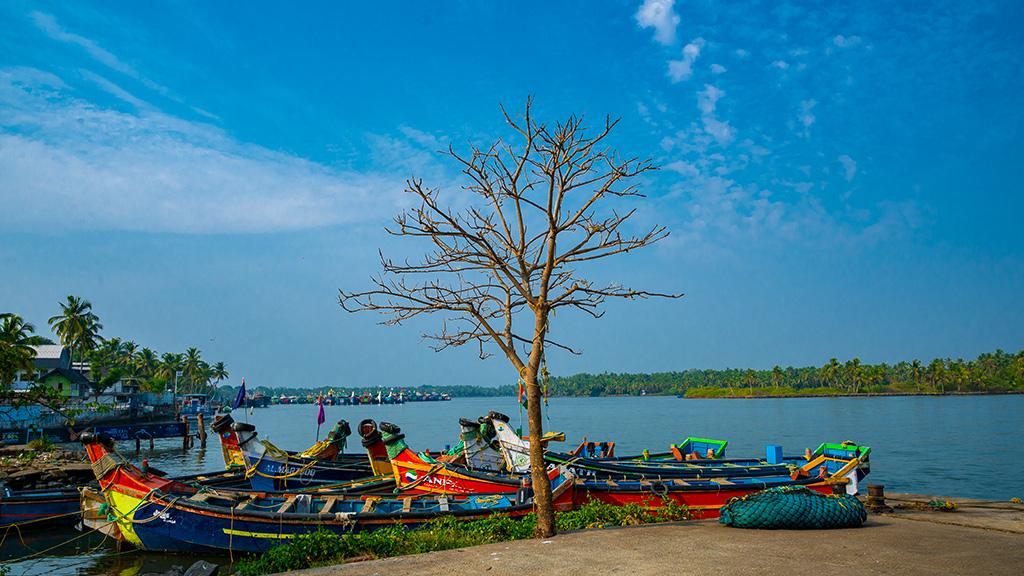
x=240 y=399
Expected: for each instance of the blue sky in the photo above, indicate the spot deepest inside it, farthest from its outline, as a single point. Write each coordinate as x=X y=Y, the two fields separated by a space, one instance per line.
x=839 y=181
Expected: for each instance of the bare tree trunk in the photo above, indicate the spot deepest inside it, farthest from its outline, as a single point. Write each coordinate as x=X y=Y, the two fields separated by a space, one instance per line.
x=538 y=471
x=542 y=502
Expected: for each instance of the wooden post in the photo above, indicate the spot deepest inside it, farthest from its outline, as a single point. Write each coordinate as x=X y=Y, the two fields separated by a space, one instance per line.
x=138 y=444
x=201 y=430
x=151 y=443
x=186 y=437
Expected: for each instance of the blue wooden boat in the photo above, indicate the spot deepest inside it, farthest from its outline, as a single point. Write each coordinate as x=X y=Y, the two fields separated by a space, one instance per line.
x=271 y=469
x=38 y=507
x=161 y=514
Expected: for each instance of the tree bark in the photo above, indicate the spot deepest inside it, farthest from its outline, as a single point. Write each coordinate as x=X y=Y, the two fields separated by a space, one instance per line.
x=542 y=501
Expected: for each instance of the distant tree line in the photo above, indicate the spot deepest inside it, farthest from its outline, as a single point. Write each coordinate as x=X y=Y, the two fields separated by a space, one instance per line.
x=998 y=371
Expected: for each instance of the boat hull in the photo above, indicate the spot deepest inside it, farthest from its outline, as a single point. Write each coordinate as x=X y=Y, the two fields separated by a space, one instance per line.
x=702 y=503
x=39 y=507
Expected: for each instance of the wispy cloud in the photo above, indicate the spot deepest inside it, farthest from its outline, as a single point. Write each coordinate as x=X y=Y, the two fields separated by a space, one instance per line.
x=66 y=160
x=849 y=167
x=49 y=25
x=113 y=89
x=680 y=70
x=660 y=15
x=845 y=41
x=707 y=103
x=807 y=117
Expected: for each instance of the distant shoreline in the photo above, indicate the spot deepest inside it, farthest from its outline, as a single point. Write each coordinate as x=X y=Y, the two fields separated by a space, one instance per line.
x=759 y=396
x=850 y=395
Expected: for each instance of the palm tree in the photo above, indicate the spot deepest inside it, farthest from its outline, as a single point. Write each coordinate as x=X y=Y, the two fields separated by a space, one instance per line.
x=830 y=372
x=14 y=330
x=219 y=372
x=147 y=363
x=170 y=364
x=937 y=375
x=855 y=374
x=192 y=366
x=749 y=377
x=777 y=376
x=77 y=326
x=16 y=341
x=916 y=370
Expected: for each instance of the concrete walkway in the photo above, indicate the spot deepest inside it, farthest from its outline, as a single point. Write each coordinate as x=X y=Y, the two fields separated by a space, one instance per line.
x=887 y=544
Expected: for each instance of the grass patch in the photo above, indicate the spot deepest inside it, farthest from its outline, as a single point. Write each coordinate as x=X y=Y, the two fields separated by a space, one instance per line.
x=323 y=548
x=41 y=445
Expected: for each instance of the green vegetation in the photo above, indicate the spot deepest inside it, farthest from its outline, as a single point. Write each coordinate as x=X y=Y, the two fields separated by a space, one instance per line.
x=990 y=372
x=323 y=548
x=110 y=360
x=41 y=445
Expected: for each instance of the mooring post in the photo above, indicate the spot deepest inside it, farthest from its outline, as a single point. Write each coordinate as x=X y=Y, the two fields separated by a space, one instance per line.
x=202 y=429
x=186 y=437
x=138 y=445
x=151 y=443
x=876 y=499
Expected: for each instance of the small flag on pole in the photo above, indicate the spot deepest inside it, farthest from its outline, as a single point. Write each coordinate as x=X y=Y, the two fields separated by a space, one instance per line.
x=320 y=416
x=522 y=393
x=240 y=399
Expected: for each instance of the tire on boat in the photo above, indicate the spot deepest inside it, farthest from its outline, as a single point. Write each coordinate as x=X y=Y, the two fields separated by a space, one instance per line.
x=498 y=416
x=243 y=427
x=390 y=428
x=368 y=430
x=221 y=423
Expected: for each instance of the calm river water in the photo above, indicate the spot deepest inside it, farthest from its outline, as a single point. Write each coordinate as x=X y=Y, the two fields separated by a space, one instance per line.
x=957 y=446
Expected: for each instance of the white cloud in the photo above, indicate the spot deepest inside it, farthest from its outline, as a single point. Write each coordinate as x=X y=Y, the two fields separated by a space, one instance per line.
x=846 y=41
x=849 y=167
x=741 y=53
x=660 y=15
x=707 y=99
x=422 y=138
x=780 y=64
x=807 y=117
x=68 y=161
x=707 y=103
x=683 y=168
x=680 y=70
x=718 y=69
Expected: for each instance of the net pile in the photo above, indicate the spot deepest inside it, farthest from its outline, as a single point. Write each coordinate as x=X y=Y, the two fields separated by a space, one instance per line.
x=793 y=508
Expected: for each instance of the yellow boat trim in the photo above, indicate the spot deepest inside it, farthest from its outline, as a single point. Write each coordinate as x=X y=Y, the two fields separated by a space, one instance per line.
x=124 y=507
x=232 y=532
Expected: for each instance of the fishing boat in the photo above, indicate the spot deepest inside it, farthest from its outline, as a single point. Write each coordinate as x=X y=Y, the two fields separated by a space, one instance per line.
x=516 y=451
x=327 y=450
x=420 y=473
x=832 y=469
x=270 y=468
x=155 y=513
x=703 y=485
x=46 y=506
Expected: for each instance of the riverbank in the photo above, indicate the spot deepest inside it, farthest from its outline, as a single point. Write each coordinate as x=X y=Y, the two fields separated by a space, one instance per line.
x=981 y=537
x=820 y=393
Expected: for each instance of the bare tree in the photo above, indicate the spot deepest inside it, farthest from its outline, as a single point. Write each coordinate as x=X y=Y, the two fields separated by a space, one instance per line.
x=501 y=264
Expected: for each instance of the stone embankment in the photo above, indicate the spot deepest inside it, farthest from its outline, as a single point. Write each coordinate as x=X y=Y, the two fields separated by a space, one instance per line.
x=22 y=468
